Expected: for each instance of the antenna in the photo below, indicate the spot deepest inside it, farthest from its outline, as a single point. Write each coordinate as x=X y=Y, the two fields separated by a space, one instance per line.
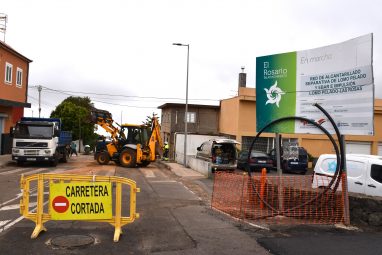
x=3 y=24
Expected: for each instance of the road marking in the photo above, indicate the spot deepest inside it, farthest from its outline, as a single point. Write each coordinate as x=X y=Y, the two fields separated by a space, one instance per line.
x=35 y=194
x=21 y=194
x=13 y=199
x=58 y=170
x=34 y=171
x=3 y=222
x=16 y=206
x=18 y=219
x=169 y=181
x=258 y=226
x=148 y=173
x=13 y=171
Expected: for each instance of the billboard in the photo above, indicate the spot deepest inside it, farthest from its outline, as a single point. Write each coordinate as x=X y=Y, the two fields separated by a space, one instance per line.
x=339 y=77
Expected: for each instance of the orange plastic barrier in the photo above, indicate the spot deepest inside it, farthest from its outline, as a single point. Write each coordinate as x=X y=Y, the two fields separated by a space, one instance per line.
x=258 y=198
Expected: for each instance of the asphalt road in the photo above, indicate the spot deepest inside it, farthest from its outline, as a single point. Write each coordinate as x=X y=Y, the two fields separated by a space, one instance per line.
x=176 y=218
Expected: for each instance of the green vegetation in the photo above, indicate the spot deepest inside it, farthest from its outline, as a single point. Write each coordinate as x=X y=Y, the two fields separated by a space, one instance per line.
x=75 y=115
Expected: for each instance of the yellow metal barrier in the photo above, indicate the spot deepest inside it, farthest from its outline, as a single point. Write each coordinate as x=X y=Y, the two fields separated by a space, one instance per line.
x=39 y=217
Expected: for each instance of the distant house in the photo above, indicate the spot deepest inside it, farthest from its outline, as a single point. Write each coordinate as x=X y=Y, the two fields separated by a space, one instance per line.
x=14 y=70
x=201 y=119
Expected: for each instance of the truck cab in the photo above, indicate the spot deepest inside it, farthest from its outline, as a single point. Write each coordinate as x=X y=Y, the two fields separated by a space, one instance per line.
x=39 y=139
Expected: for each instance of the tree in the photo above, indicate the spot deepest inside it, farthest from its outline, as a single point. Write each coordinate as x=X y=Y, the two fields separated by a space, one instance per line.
x=149 y=119
x=75 y=115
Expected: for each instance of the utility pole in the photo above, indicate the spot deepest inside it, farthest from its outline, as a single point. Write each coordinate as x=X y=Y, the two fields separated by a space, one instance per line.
x=186 y=110
x=3 y=26
x=39 y=88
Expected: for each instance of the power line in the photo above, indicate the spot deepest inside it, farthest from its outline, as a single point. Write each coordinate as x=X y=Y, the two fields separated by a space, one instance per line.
x=114 y=95
x=43 y=102
x=68 y=94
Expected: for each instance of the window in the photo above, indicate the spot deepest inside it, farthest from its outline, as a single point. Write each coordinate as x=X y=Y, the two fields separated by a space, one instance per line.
x=191 y=117
x=355 y=168
x=376 y=173
x=8 y=73
x=19 y=77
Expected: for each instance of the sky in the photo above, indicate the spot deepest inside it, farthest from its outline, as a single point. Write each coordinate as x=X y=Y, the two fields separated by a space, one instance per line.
x=120 y=53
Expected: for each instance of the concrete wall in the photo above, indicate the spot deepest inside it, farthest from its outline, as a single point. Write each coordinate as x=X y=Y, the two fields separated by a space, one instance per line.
x=229 y=116
x=200 y=166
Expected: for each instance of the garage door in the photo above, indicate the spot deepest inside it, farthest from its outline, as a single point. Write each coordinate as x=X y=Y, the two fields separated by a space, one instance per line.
x=358 y=148
x=380 y=149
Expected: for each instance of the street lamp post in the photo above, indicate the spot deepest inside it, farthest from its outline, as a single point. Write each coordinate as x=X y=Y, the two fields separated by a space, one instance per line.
x=186 y=110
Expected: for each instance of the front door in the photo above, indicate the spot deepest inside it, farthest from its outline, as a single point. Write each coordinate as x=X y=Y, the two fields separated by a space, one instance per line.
x=374 y=181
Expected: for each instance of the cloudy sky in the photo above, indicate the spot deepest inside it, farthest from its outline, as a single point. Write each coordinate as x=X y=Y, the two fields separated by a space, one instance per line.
x=120 y=52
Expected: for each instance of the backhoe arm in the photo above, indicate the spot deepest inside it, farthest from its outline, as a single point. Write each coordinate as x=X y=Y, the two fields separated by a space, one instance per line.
x=104 y=119
x=155 y=139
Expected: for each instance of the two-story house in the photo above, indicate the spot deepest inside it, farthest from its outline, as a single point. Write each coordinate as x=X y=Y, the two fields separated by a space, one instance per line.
x=14 y=70
x=201 y=119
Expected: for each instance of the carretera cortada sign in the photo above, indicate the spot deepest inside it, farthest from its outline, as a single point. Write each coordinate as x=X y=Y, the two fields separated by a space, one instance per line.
x=81 y=200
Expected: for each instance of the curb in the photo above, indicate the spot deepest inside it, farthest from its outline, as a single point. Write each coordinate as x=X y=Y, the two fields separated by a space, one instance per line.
x=4 y=161
x=164 y=164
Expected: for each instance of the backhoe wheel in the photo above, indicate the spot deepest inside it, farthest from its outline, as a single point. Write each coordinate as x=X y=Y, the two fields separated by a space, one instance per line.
x=128 y=158
x=103 y=158
x=144 y=163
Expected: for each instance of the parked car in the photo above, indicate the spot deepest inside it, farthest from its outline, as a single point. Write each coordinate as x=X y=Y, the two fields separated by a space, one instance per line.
x=257 y=161
x=294 y=159
x=221 y=153
x=364 y=173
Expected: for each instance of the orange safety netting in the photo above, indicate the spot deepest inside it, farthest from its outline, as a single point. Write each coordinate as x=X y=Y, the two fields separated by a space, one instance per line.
x=275 y=199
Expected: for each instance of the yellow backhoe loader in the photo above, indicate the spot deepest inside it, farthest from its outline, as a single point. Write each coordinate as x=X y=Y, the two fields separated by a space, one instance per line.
x=131 y=145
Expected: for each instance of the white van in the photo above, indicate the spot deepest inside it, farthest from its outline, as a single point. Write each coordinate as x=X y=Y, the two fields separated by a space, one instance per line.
x=364 y=173
x=221 y=153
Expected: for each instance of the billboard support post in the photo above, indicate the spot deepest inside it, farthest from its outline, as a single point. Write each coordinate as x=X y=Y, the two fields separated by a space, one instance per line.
x=345 y=190
x=279 y=171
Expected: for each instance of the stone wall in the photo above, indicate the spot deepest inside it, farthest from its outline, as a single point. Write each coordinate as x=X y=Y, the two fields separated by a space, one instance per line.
x=365 y=210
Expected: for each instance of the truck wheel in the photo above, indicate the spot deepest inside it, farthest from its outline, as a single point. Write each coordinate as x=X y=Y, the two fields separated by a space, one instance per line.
x=55 y=161
x=128 y=158
x=103 y=158
x=64 y=158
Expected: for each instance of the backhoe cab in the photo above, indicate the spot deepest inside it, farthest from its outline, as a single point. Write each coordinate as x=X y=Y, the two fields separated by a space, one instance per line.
x=131 y=145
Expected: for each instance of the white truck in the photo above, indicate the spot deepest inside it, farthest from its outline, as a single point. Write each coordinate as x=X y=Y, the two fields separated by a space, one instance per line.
x=39 y=140
x=364 y=173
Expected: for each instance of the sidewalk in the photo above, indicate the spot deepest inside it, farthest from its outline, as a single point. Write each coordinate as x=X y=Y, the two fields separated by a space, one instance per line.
x=182 y=171
x=5 y=159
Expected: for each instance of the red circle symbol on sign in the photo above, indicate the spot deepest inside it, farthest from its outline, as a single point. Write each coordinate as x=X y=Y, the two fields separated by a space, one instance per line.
x=60 y=204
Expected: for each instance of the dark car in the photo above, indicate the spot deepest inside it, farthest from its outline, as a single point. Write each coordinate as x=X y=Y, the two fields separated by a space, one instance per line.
x=293 y=159
x=257 y=161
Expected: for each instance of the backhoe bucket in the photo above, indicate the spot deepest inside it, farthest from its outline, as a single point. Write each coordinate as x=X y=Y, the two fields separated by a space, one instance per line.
x=96 y=113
